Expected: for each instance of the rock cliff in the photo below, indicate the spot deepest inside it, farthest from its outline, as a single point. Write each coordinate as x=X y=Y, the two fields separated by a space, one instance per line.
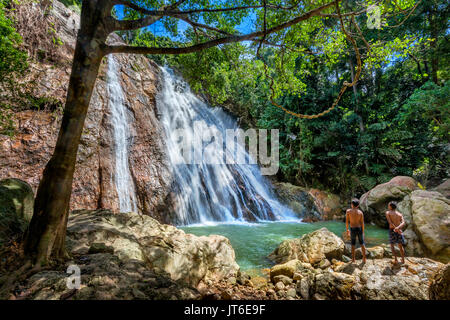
x=25 y=155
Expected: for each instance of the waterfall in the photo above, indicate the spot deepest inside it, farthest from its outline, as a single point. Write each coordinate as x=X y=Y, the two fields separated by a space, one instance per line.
x=122 y=178
x=207 y=189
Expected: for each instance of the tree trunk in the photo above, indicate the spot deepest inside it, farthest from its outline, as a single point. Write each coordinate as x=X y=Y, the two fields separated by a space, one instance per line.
x=45 y=236
x=419 y=69
x=434 y=33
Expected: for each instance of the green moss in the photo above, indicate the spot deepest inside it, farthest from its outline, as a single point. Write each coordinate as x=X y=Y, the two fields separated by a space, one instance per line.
x=16 y=208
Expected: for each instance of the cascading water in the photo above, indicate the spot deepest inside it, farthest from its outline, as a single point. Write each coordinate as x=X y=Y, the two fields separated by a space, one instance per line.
x=122 y=178
x=210 y=190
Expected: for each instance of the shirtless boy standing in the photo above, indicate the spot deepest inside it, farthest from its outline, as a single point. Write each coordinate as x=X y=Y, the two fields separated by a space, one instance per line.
x=396 y=223
x=356 y=219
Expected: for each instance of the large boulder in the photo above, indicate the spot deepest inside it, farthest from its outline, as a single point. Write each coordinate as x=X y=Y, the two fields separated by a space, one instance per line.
x=333 y=285
x=289 y=268
x=374 y=202
x=310 y=204
x=16 y=208
x=440 y=284
x=105 y=277
x=311 y=248
x=184 y=257
x=444 y=188
x=377 y=252
x=430 y=212
x=413 y=247
x=298 y=199
x=328 y=204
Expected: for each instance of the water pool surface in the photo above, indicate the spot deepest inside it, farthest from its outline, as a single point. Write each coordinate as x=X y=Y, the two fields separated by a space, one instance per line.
x=252 y=242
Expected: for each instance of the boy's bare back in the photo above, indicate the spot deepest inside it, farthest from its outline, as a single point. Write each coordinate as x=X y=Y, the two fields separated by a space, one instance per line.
x=356 y=217
x=394 y=218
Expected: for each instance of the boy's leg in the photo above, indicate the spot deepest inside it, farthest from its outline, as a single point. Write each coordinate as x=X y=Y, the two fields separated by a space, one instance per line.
x=402 y=252
x=394 y=253
x=353 y=239
x=391 y=240
x=362 y=244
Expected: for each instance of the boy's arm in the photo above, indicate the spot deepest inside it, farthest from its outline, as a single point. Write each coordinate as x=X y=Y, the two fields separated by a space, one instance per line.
x=402 y=224
x=362 y=221
x=346 y=222
x=391 y=226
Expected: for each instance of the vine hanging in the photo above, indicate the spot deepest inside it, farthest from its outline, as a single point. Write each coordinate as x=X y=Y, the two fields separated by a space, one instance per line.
x=344 y=87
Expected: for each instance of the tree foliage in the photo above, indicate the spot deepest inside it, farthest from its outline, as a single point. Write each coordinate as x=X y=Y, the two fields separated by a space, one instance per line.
x=13 y=64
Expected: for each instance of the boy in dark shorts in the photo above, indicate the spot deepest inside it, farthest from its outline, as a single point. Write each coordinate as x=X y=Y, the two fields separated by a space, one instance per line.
x=396 y=223
x=355 y=217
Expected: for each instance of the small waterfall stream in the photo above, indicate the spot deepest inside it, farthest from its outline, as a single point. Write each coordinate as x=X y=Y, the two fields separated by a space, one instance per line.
x=209 y=190
x=122 y=178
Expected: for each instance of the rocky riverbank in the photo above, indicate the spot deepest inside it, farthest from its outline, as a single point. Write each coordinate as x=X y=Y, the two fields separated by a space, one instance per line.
x=132 y=256
x=314 y=267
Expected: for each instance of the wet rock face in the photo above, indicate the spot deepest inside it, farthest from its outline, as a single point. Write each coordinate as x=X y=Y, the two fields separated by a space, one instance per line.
x=310 y=204
x=25 y=155
x=329 y=204
x=298 y=199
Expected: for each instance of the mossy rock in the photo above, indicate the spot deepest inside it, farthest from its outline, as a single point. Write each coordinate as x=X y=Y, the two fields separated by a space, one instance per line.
x=16 y=208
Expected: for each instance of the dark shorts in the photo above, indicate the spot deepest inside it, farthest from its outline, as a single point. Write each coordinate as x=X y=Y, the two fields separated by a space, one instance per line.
x=395 y=237
x=357 y=232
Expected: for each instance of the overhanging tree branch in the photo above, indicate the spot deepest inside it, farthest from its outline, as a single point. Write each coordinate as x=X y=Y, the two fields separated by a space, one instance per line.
x=218 y=41
x=121 y=25
x=203 y=10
